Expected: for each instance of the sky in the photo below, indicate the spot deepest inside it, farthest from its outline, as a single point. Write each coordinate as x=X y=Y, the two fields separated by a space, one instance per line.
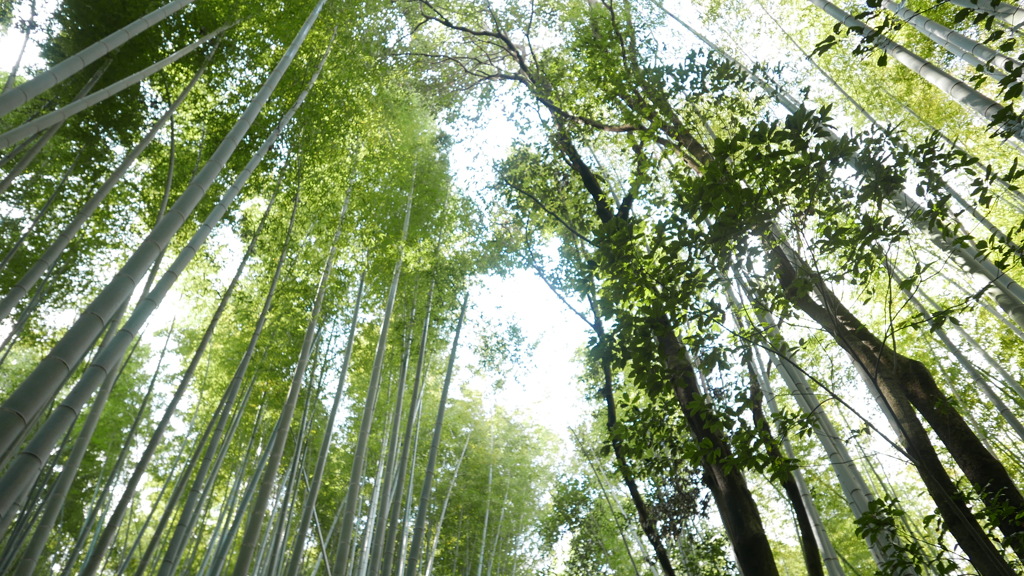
x=544 y=386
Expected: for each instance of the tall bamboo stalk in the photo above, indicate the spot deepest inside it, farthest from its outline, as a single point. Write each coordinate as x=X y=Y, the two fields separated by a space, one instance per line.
x=252 y=530
x=37 y=125
x=342 y=557
x=298 y=545
x=29 y=398
x=60 y=243
x=58 y=73
x=412 y=563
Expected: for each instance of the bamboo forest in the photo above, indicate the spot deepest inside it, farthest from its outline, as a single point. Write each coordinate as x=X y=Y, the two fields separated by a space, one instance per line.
x=511 y=287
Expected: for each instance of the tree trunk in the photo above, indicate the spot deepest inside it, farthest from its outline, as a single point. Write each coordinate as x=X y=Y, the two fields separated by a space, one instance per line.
x=25 y=469
x=341 y=561
x=114 y=521
x=740 y=516
x=412 y=562
x=974 y=53
x=58 y=73
x=69 y=470
x=252 y=530
x=787 y=479
x=37 y=125
x=902 y=385
x=391 y=484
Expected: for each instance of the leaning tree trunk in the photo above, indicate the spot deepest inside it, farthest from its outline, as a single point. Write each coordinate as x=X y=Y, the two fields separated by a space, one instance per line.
x=726 y=482
x=58 y=73
x=647 y=524
x=884 y=544
x=728 y=486
x=615 y=510
x=980 y=380
x=239 y=505
x=31 y=396
x=69 y=470
x=113 y=523
x=787 y=478
x=902 y=385
x=974 y=52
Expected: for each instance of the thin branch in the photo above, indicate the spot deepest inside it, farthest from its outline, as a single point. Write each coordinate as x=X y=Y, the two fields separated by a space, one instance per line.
x=560 y=220
x=540 y=274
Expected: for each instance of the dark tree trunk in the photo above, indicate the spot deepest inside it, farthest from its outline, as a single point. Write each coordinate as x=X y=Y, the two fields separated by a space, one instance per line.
x=904 y=384
x=736 y=505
